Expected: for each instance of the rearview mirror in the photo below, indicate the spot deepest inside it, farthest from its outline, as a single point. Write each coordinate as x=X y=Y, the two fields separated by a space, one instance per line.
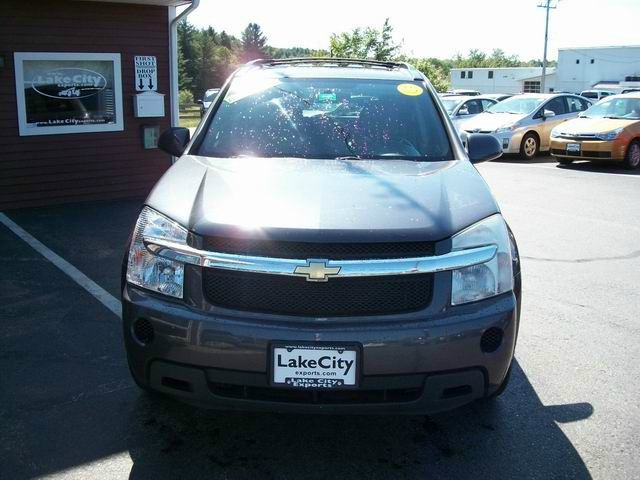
x=548 y=113
x=174 y=140
x=199 y=101
x=483 y=147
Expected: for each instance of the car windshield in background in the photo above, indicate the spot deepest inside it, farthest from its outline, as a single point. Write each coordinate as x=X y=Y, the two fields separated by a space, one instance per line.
x=210 y=95
x=268 y=116
x=450 y=104
x=623 y=108
x=520 y=105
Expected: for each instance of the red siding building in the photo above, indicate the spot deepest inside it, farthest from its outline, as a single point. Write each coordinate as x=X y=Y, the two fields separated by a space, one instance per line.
x=68 y=130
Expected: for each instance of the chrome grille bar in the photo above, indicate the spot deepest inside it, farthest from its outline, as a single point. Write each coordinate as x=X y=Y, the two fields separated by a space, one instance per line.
x=345 y=268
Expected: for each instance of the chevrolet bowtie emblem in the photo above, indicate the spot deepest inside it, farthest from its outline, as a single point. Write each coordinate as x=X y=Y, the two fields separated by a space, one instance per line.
x=316 y=271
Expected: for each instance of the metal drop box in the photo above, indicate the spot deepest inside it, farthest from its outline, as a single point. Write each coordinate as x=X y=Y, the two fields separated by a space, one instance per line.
x=148 y=104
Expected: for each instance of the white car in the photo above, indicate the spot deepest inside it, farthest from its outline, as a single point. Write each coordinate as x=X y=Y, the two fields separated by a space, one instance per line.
x=209 y=96
x=462 y=108
x=596 y=94
x=523 y=123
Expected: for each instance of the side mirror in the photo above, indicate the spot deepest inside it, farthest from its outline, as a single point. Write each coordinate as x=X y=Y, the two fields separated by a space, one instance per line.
x=548 y=114
x=199 y=101
x=463 y=111
x=174 y=140
x=483 y=147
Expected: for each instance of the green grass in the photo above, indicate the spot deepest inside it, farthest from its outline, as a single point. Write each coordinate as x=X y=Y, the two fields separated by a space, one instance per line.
x=190 y=116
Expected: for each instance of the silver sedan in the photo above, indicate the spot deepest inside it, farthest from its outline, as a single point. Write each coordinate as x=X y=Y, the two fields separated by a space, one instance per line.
x=461 y=108
x=523 y=123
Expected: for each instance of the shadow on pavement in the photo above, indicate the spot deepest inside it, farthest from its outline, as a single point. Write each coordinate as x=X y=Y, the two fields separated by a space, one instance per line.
x=515 y=437
x=515 y=158
x=68 y=406
x=600 y=167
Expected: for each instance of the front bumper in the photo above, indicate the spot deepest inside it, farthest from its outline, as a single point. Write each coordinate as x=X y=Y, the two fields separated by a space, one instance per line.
x=417 y=366
x=590 y=149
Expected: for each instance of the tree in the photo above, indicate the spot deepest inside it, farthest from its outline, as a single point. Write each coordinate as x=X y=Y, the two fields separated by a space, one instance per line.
x=253 y=42
x=225 y=40
x=385 y=48
x=187 y=70
x=364 y=43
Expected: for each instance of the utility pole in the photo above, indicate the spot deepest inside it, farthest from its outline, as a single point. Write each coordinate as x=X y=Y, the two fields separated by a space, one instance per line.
x=547 y=6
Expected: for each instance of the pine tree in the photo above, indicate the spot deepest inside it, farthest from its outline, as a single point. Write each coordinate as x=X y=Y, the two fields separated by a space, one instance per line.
x=253 y=42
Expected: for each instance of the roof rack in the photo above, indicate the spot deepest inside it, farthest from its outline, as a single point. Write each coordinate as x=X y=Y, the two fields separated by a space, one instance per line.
x=328 y=60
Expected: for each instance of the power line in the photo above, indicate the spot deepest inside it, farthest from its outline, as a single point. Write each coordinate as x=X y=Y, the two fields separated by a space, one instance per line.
x=546 y=5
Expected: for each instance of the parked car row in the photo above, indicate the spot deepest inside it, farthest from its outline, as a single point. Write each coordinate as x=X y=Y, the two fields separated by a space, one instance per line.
x=523 y=123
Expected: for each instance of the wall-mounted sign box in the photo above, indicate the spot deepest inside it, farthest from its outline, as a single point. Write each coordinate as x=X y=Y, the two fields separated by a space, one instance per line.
x=68 y=92
x=146 y=77
x=148 y=104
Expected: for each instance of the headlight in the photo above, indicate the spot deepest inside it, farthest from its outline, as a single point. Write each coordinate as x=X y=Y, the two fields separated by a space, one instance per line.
x=506 y=129
x=555 y=133
x=608 y=136
x=148 y=270
x=486 y=280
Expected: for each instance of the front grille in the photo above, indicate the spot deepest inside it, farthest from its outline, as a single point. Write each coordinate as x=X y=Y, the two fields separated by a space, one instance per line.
x=339 y=297
x=479 y=131
x=584 y=153
x=305 y=250
x=326 y=397
x=594 y=154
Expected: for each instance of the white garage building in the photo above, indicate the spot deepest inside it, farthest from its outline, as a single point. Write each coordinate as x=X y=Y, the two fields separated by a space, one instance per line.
x=611 y=68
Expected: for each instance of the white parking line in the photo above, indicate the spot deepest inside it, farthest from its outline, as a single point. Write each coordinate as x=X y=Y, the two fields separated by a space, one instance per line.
x=72 y=272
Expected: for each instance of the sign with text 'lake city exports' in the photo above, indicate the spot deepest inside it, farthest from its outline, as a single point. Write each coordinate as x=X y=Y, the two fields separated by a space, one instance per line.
x=68 y=92
x=146 y=73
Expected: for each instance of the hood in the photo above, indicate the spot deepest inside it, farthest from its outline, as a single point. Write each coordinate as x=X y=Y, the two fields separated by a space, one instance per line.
x=594 y=125
x=323 y=200
x=489 y=122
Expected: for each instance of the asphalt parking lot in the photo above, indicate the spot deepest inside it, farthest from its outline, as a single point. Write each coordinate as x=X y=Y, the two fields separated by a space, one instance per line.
x=68 y=408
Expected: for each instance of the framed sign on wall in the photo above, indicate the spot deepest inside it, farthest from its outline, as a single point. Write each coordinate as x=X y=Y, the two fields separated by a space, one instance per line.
x=68 y=92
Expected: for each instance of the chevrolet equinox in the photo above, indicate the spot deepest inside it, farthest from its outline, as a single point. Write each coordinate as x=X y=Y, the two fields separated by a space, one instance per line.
x=324 y=243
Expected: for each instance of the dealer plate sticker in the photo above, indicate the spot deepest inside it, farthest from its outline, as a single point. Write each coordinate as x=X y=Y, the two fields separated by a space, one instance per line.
x=573 y=148
x=314 y=366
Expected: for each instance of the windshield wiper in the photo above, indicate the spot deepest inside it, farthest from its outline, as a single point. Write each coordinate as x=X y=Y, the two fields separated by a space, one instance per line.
x=349 y=157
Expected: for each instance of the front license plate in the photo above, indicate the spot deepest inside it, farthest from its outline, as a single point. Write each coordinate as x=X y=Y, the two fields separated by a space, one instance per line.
x=573 y=148
x=307 y=366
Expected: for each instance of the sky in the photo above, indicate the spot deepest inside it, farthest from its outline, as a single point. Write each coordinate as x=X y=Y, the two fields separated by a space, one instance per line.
x=434 y=28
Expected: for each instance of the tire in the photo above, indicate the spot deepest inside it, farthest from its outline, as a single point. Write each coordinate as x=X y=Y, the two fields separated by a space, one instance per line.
x=530 y=146
x=632 y=158
x=565 y=161
x=503 y=385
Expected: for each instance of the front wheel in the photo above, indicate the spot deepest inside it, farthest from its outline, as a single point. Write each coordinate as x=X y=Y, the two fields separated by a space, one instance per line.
x=529 y=147
x=632 y=159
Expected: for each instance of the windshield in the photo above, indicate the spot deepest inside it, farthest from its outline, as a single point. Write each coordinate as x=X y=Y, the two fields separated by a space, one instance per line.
x=615 y=108
x=266 y=116
x=450 y=104
x=210 y=95
x=517 y=105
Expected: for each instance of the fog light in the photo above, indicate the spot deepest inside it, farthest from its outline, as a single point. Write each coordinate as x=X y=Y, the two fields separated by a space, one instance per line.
x=143 y=331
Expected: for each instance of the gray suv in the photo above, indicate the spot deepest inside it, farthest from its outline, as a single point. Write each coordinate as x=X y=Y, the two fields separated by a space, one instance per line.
x=323 y=244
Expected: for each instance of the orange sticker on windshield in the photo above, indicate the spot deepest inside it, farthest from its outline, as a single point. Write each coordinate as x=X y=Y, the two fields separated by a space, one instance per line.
x=410 y=89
